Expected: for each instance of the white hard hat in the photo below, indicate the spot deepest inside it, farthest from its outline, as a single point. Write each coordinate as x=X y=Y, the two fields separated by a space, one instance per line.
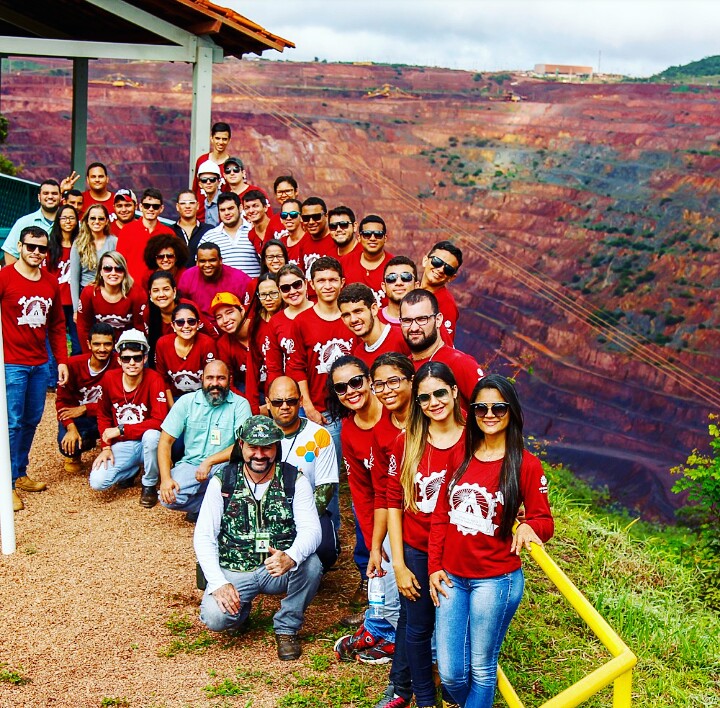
x=209 y=167
x=132 y=336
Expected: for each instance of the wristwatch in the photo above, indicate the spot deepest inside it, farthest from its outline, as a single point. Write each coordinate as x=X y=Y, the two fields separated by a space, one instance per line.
x=121 y=428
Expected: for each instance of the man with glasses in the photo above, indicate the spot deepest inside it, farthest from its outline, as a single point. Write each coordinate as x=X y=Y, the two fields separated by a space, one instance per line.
x=367 y=264
x=399 y=278
x=31 y=310
x=209 y=180
x=341 y=222
x=188 y=227
x=135 y=235
x=318 y=242
x=358 y=310
x=125 y=205
x=207 y=419
x=309 y=447
x=420 y=321
x=231 y=235
x=440 y=267
x=49 y=198
x=285 y=187
x=295 y=233
x=131 y=411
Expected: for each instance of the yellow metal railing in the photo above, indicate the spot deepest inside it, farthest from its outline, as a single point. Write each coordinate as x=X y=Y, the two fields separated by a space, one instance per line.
x=617 y=670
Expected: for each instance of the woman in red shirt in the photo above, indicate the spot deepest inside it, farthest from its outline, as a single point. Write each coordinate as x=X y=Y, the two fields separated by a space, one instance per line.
x=474 y=557
x=430 y=449
x=112 y=297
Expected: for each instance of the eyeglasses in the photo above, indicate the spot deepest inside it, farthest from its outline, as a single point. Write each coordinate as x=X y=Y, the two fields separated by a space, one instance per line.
x=284 y=192
x=232 y=170
x=32 y=247
x=289 y=214
x=372 y=234
x=69 y=217
x=449 y=270
x=269 y=296
x=405 y=277
x=314 y=217
x=355 y=383
x=278 y=402
x=113 y=269
x=339 y=225
x=441 y=394
x=393 y=384
x=165 y=257
x=150 y=206
x=287 y=287
x=499 y=410
x=419 y=321
x=207 y=180
x=131 y=358
x=187 y=203
x=274 y=257
x=189 y=321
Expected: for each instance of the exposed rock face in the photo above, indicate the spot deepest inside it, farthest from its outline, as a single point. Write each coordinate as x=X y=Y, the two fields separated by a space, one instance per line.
x=588 y=215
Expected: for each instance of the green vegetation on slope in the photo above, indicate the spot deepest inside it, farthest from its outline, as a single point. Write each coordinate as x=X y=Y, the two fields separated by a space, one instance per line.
x=709 y=66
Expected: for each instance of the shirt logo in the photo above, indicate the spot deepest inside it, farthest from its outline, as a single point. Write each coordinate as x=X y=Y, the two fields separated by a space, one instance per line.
x=63 y=272
x=34 y=311
x=428 y=489
x=392 y=465
x=186 y=380
x=90 y=394
x=473 y=508
x=115 y=321
x=329 y=351
x=130 y=413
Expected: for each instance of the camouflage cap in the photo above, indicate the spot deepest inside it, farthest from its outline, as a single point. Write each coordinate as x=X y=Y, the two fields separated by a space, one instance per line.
x=260 y=430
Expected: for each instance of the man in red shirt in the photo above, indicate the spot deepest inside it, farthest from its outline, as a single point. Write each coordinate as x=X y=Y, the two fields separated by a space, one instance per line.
x=132 y=409
x=341 y=222
x=97 y=191
x=440 y=267
x=359 y=310
x=135 y=235
x=220 y=134
x=31 y=311
x=256 y=208
x=420 y=320
x=125 y=206
x=78 y=399
x=400 y=277
x=294 y=233
x=318 y=241
x=285 y=187
x=73 y=198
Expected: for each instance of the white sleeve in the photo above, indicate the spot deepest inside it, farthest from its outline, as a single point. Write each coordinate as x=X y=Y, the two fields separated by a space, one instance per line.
x=307 y=523
x=326 y=466
x=206 y=535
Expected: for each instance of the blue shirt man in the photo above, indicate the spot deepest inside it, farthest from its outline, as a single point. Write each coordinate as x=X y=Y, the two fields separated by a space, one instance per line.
x=208 y=419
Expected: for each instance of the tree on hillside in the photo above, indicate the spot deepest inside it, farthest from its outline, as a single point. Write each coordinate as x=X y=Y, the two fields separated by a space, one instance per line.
x=6 y=167
x=709 y=66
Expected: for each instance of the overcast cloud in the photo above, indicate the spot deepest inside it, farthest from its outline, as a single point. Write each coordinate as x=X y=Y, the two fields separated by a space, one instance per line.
x=635 y=37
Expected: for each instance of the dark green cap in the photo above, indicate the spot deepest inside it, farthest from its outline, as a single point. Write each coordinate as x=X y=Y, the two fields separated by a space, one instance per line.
x=260 y=430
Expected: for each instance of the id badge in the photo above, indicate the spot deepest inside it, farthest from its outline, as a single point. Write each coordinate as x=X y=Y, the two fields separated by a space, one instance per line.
x=262 y=542
x=215 y=436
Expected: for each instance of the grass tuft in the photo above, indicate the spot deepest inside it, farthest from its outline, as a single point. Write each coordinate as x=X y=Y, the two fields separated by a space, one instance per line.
x=13 y=676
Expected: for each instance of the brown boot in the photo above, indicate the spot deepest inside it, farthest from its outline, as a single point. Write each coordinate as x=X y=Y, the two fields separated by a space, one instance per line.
x=360 y=597
x=29 y=485
x=17 y=502
x=288 y=647
x=73 y=464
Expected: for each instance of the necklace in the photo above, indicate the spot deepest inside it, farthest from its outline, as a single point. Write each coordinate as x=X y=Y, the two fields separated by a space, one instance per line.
x=135 y=390
x=259 y=482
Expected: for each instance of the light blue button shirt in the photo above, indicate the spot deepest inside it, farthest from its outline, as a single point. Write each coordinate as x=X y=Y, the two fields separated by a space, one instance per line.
x=37 y=218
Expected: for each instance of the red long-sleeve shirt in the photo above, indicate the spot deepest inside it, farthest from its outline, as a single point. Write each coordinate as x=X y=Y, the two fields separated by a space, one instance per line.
x=282 y=345
x=466 y=370
x=132 y=241
x=391 y=340
x=140 y=410
x=357 y=453
x=62 y=272
x=384 y=462
x=355 y=272
x=464 y=538
x=450 y=312
x=83 y=387
x=183 y=375
x=435 y=465
x=126 y=313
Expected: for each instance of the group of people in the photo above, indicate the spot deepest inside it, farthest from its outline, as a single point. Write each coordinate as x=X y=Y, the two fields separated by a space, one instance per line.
x=238 y=360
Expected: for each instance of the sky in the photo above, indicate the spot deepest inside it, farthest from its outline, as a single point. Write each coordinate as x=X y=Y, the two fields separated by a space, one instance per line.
x=632 y=37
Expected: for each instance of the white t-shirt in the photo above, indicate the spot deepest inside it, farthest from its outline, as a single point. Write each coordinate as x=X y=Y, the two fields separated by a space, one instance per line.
x=312 y=451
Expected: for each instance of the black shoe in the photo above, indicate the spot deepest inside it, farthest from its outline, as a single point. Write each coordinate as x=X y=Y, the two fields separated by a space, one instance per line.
x=192 y=516
x=288 y=647
x=149 y=496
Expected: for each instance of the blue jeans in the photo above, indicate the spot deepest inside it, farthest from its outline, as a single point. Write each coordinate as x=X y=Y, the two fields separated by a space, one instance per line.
x=129 y=455
x=192 y=492
x=300 y=585
x=88 y=431
x=471 y=626
x=361 y=555
x=26 y=389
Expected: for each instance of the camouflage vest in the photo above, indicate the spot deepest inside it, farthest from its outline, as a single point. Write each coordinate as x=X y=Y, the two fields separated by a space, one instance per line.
x=244 y=515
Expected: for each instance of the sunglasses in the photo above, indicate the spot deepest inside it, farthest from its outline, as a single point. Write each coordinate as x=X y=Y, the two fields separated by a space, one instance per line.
x=289 y=214
x=165 y=257
x=187 y=203
x=113 y=269
x=372 y=234
x=449 y=270
x=96 y=218
x=149 y=206
x=393 y=384
x=278 y=402
x=208 y=180
x=313 y=217
x=189 y=321
x=287 y=287
x=339 y=225
x=419 y=321
x=442 y=394
x=355 y=383
x=32 y=247
x=391 y=278
x=134 y=358
x=498 y=410
x=232 y=170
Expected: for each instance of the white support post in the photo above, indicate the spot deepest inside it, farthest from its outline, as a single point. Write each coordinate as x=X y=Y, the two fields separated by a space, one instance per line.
x=202 y=103
x=7 y=515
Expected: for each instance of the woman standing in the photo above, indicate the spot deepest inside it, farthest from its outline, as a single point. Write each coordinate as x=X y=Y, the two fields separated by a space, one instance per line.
x=476 y=577
x=180 y=357
x=433 y=443
x=92 y=241
x=112 y=298
x=62 y=235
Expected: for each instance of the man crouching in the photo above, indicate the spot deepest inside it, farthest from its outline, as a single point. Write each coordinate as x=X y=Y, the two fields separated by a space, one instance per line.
x=257 y=533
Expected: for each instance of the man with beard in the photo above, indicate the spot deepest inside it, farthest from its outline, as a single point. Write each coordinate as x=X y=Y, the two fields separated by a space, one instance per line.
x=125 y=206
x=341 y=222
x=49 y=198
x=208 y=419
x=420 y=321
x=257 y=534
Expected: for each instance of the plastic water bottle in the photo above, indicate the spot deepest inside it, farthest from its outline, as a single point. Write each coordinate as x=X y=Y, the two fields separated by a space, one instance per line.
x=376 y=596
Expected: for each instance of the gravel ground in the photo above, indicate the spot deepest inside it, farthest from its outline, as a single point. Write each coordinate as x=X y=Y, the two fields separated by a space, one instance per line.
x=87 y=597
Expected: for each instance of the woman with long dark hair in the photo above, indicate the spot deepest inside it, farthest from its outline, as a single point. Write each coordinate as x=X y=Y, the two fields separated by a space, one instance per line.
x=474 y=556
x=430 y=448
x=167 y=253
